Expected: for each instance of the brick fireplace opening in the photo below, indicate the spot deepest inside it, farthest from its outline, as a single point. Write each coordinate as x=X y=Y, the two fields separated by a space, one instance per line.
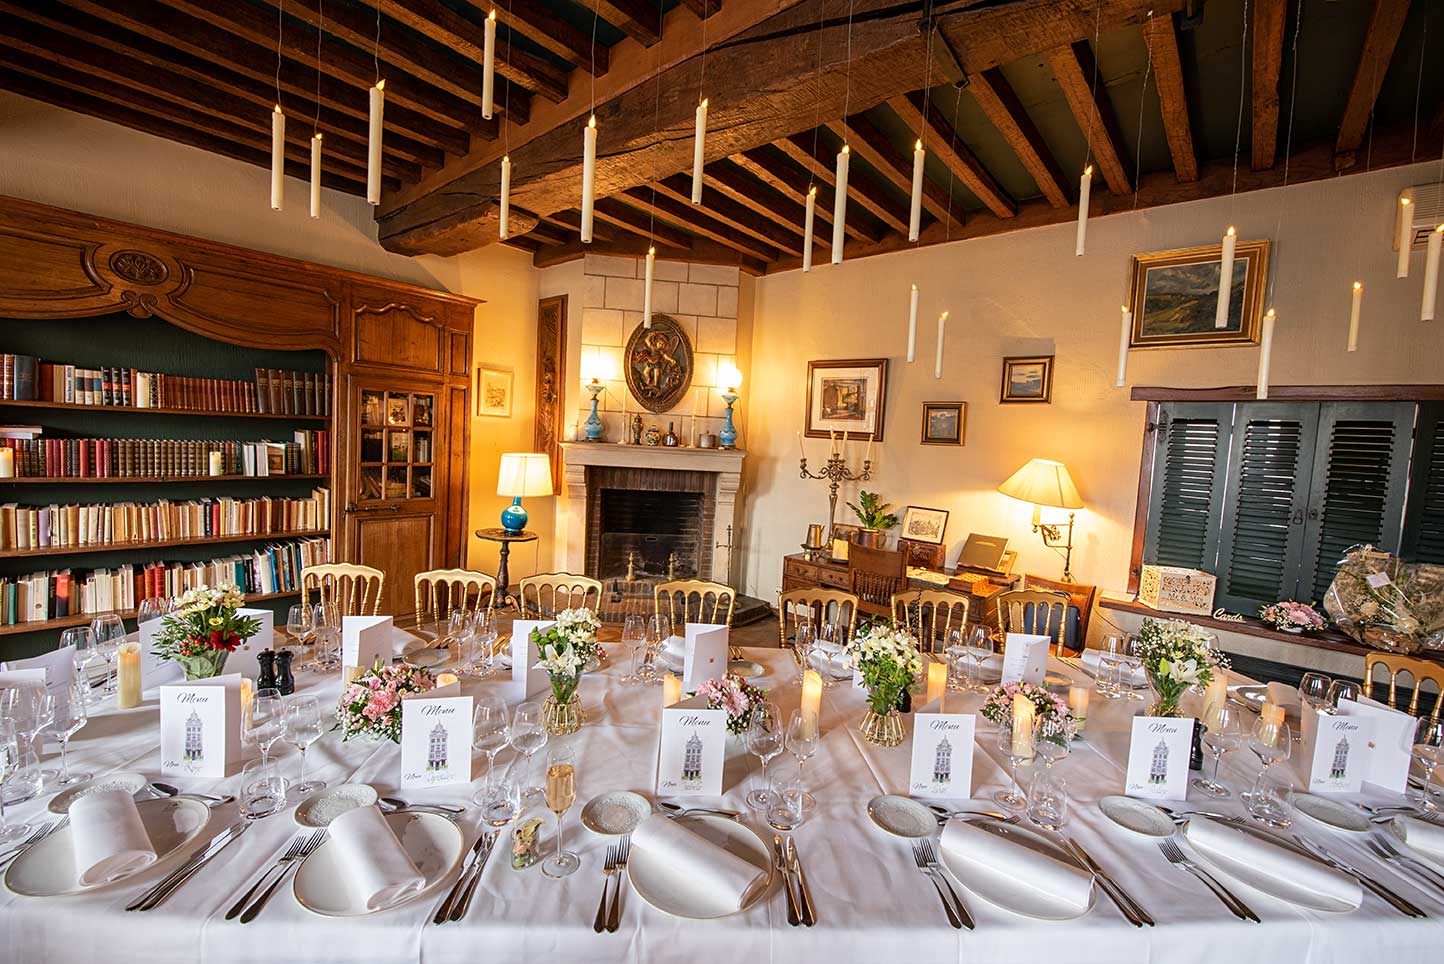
x=650 y=524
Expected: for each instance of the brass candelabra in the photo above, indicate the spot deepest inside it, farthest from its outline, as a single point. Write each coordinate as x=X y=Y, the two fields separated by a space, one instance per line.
x=836 y=472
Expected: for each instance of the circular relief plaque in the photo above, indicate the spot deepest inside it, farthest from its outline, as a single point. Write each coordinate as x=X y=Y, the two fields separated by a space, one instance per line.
x=658 y=362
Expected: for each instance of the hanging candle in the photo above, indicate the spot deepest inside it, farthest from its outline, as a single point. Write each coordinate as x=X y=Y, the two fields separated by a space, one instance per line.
x=278 y=156
x=1125 y=331
x=1431 y=274
x=373 y=144
x=807 y=228
x=839 y=205
x=1406 y=238
x=913 y=323
x=1358 y=303
x=505 y=221
x=1266 y=347
x=938 y=364
x=697 y=143
x=1085 y=187
x=1225 y=278
x=316 y=175
x=647 y=289
x=915 y=215
x=488 y=67
x=589 y=176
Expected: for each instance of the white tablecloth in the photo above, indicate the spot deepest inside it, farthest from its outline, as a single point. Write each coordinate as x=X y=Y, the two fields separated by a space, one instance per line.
x=871 y=901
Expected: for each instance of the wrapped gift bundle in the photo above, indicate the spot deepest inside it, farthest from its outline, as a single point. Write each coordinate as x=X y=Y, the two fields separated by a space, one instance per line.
x=1387 y=603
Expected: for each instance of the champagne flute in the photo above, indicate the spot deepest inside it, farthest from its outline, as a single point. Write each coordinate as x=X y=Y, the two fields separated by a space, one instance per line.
x=561 y=792
x=764 y=740
x=1223 y=731
x=1017 y=751
x=488 y=734
x=802 y=739
x=268 y=720
x=802 y=641
x=527 y=734
x=1131 y=663
x=303 y=727
x=9 y=763
x=1314 y=689
x=68 y=717
x=109 y=631
x=980 y=646
x=1428 y=751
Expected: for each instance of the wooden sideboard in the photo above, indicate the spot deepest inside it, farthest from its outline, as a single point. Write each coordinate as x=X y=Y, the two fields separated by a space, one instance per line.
x=803 y=571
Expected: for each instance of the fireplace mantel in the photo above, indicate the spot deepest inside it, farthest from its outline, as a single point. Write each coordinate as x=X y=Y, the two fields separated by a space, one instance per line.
x=581 y=454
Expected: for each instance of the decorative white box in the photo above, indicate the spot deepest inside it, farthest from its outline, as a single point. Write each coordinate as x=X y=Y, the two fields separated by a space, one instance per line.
x=1171 y=589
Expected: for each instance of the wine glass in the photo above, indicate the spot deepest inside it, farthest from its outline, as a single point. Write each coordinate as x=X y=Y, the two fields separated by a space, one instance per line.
x=1223 y=731
x=326 y=625
x=484 y=635
x=1271 y=743
x=1017 y=751
x=154 y=607
x=87 y=656
x=787 y=799
x=1314 y=689
x=1050 y=739
x=488 y=734
x=1428 y=751
x=956 y=655
x=1130 y=666
x=802 y=643
x=67 y=717
x=298 y=626
x=803 y=737
x=1048 y=800
x=527 y=734
x=1342 y=689
x=764 y=740
x=634 y=643
x=561 y=792
x=109 y=631
x=1110 y=654
x=268 y=720
x=980 y=647
x=9 y=763
x=303 y=727
x=27 y=707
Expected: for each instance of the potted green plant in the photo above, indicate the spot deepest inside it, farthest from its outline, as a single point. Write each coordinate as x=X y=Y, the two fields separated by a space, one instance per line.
x=873 y=513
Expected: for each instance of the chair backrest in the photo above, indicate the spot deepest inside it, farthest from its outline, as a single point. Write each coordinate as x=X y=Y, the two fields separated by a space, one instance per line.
x=1035 y=612
x=874 y=575
x=835 y=606
x=548 y=593
x=1080 y=610
x=930 y=615
x=1419 y=671
x=439 y=591
x=714 y=601
x=354 y=590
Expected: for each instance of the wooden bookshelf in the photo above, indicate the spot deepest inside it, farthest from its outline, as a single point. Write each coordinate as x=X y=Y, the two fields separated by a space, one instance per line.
x=160 y=544
x=131 y=410
x=61 y=479
x=44 y=625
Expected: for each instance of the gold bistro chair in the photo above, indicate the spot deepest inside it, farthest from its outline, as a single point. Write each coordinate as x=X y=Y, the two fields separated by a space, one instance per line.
x=714 y=601
x=439 y=591
x=1419 y=671
x=354 y=590
x=1038 y=613
x=547 y=593
x=835 y=606
x=930 y=615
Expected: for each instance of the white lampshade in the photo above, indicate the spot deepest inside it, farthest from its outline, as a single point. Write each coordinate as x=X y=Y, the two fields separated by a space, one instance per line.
x=524 y=474
x=1043 y=482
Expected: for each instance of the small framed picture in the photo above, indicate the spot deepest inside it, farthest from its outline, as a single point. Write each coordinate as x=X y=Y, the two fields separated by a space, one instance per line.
x=944 y=423
x=924 y=525
x=493 y=392
x=847 y=397
x=1027 y=379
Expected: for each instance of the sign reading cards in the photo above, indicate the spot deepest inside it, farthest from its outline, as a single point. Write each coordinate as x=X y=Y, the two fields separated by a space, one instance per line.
x=694 y=747
x=1335 y=751
x=942 y=765
x=364 y=641
x=1386 y=764
x=1158 y=758
x=436 y=738
x=1025 y=658
x=704 y=655
x=200 y=727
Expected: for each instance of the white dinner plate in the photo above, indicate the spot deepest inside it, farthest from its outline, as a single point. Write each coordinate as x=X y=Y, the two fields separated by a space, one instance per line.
x=902 y=816
x=657 y=883
x=746 y=668
x=323 y=806
x=120 y=780
x=433 y=843
x=47 y=869
x=615 y=813
x=1138 y=817
x=1273 y=886
x=1006 y=891
x=1333 y=814
x=424 y=658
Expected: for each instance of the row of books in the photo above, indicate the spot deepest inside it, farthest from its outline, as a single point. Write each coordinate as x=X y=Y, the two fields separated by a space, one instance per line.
x=309 y=453
x=27 y=378
x=115 y=524
x=54 y=594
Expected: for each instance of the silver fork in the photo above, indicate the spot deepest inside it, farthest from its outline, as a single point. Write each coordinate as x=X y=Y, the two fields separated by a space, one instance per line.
x=297 y=843
x=37 y=835
x=312 y=842
x=1399 y=903
x=1386 y=851
x=922 y=864
x=624 y=853
x=1238 y=908
x=940 y=873
x=610 y=868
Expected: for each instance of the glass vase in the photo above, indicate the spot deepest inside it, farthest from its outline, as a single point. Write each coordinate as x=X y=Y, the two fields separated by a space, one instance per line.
x=1166 y=698
x=882 y=729
x=563 y=716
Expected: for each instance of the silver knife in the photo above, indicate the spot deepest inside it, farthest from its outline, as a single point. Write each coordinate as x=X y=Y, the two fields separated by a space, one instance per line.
x=794 y=863
x=1130 y=907
x=793 y=916
x=443 y=910
x=460 y=906
x=157 y=894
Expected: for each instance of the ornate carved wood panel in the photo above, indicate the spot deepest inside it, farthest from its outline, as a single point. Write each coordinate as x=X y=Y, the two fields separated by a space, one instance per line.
x=551 y=366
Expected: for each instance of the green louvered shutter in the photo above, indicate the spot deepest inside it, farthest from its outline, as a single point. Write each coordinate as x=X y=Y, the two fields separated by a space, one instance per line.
x=1186 y=498
x=1424 y=518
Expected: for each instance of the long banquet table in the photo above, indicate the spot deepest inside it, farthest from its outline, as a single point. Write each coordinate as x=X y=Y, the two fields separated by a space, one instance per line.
x=872 y=903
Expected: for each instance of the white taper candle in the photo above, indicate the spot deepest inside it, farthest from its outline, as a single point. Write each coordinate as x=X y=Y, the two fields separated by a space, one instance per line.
x=1124 y=334
x=913 y=323
x=938 y=364
x=1431 y=274
x=698 y=142
x=488 y=67
x=504 y=225
x=647 y=287
x=373 y=143
x=1225 y=278
x=1085 y=187
x=316 y=175
x=1406 y=237
x=1266 y=348
x=839 y=205
x=589 y=176
x=1358 y=303
x=915 y=215
x=278 y=156
x=807 y=229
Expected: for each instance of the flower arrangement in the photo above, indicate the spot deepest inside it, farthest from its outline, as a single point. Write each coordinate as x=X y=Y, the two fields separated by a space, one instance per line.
x=1386 y=603
x=371 y=705
x=1292 y=617
x=564 y=651
x=998 y=708
x=735 y=695
x=580 y=627
x=888 y=658
x=204 y=629
x=1176 y=656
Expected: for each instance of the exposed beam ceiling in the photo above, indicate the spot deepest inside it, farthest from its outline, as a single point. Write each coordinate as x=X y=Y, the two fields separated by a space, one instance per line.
x=942 y=141
x=1077 y=74
x=1172 y=98
x=1267 y=60
x=1386 y=21
x=998 y=101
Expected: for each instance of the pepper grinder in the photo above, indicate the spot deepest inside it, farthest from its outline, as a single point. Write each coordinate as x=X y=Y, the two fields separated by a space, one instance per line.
x=285 y=679
x=267 y=678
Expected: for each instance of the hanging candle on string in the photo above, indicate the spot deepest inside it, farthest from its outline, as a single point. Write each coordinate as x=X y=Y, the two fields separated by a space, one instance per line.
x=839 y=205
x=915 y=215
x=1354 y=308
x=589 y=176
x=316 y=175
x=1406 y=238
x=373 y=143
x=807 y=228
x=1225 y=278
x=278 y=156
x=938 y=364
x=1085 y=187
x=647 y=287
x=505 y=220
x=1265 y=353
x=913 y=323
x=488 y=67
x=1431 y=274
x=698 y=142
x=1124 y=333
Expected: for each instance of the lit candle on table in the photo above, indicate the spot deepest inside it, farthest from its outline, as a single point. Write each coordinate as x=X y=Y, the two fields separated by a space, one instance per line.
x=7 y=463
x=446 y=679
x=937 y=683
x=1023 y=713
x=812 y=692
x=1078 y=705
x=671 y=690
x=127 y=676
x=216 y=467
x=1216 y=694
x=248 y=693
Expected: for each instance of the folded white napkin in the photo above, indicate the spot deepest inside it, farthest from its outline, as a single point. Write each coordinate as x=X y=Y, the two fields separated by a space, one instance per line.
x=1213 y=837
x=403 y=642
x=1092 y=658
x=1281 y=694
x=377 y=869
x=1024 y=865
x=698 y=864
x=1420 y=835
x=108 y=837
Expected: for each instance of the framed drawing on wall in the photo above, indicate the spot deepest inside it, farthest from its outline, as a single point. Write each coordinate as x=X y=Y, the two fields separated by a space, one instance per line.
x=944 y=423
x=493 y=392
x=1027 y=379
x=1174 y=297
x=846 y=396
x=924 y=525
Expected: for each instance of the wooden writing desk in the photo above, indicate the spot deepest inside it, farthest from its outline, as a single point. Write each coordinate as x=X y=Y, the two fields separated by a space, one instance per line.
x=801 y=571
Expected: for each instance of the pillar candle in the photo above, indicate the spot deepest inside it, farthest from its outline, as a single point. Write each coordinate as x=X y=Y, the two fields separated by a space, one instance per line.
x=1406 y=238
x=1272 y=713
x=278 y=156
x=1216 y=694
x=127 y=675
x=671 y=690
x=248 y=693
x=811 y=692
x=1354 y=308
x=807 y=222
x=915 y=214
x=1225 y=279
x=809 y=724
x=839 y=205
x=505 y=219
x=446 y=679
x=937 y=683
x=216 y=466
x=1023 y=714
x=1085 y=187
x=488 y=68
x=589 y=176
x=316 y=175
x=1078 y=705
x=373 y=143
x=1265 y=353
x=913 y=323
x=699 y=139
x=1124 y=334
x=7 y=463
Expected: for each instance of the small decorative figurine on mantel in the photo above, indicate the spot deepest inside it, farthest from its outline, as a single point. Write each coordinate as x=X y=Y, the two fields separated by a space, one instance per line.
x=636 y=430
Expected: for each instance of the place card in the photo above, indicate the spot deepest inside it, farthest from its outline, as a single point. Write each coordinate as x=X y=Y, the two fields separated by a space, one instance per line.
x=527 y=679
x=265 y=636
x=1158 y=758
x=435 y=738
x=704 y=654
x=693 y=749
x=365 y=641
x=1386 y=762
x=942 y=763
x=1333 y=751
x=55 y=670
x=1025 y=658
x=200 y=727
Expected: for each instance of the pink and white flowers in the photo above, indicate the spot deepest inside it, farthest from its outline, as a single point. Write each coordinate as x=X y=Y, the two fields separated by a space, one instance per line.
x=1292 y=617
x=371 y=705
x=735 y=695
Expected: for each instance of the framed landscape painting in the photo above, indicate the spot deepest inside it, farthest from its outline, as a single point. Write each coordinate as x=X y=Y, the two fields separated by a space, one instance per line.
x=846 y=395
x=1174 y=297
x=944 y=423
x=1027 y=379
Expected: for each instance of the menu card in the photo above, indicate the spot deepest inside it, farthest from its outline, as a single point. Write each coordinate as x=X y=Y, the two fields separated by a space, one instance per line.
x=1386 y=764
x=693 y=749
x=526 y=679
x=1334 y=751
x=365 y=640
x=942 y=763
x=54 y=670
x=1025 y=658
x=704 y=654
x=436 y=738
x=200 y=727
x=1158 y=758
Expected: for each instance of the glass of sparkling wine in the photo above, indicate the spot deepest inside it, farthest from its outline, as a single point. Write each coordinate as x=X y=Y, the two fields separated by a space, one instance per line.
x=561 y=792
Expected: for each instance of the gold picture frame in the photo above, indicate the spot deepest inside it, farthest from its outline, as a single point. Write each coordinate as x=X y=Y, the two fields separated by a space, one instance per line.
x=493 y=391
x=847 y=396
x=1173 y=296
x=944 y=423
x=1027 y=380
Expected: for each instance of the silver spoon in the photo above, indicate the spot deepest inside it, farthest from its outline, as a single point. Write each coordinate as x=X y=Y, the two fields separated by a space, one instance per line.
x=947 y=814
x=673 y=810
x=391 y=804
x=210 y=800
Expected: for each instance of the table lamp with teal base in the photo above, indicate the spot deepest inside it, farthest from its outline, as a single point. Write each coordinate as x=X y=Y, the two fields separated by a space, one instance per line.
x=522 y=474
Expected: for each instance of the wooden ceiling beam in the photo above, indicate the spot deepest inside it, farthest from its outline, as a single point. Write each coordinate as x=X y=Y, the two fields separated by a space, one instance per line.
x=770 y=166
x=639 y=19
x=700 y=251
x=1075 y=70
x=640 y=223
x=726 y=178
x=698 y=222
x=549 y=233
x=870 y=144
x=1266 y=59
x=861 y=189
x=996 y=98
x=1386 y=22
x=736 y=216
x=1162 y=39
x=704 y=9
x=571 y=222
x=539 y=25
x=942 y=141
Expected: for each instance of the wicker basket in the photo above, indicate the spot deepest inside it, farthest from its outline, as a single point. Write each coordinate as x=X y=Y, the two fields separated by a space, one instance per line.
x=1171 y=589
